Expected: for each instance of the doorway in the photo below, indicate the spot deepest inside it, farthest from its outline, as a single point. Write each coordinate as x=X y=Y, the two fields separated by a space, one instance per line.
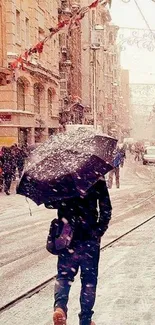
x=23 y=137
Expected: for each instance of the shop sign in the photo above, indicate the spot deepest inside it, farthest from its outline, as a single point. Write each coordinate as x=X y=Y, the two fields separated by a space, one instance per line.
x=5 y=117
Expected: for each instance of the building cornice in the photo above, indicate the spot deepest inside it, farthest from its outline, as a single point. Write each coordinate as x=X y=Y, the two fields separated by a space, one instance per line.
x=36 y=68
x=42 y=72
x=13 y=111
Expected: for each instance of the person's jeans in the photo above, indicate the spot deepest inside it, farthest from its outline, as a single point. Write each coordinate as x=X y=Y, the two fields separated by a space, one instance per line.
x=7 y=181
x=1 y=183
x=20 y=169
x=114 y=171
x=86 y=256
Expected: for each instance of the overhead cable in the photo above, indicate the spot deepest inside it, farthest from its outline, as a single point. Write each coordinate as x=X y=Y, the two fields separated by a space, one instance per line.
x=143 y=16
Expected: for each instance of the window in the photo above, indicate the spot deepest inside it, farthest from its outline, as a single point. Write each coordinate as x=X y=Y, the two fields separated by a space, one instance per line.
x=111 y=38
x=93 y=18
x=50 y=102
x=62 y=40
x=18 y=27
x=20 y=95
x=27 y=32
x=41 y=36
x=37 y=97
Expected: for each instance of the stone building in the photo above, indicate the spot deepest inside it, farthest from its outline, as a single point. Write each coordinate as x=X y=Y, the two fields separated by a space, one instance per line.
x=100 y=68
x=71 y=110
x=101 y=73
x=4 y=72
x=29 y=105
x=79 y=90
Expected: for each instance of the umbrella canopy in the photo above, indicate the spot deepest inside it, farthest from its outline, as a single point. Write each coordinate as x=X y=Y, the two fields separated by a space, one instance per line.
x=67 y=165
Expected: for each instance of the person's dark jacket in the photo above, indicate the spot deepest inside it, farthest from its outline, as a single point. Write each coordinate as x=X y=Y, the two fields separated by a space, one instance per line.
x=82 y=212
x=20 y=157
x=7 y=161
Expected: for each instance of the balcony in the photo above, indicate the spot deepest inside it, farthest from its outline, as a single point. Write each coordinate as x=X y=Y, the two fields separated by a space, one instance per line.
x=41 y=19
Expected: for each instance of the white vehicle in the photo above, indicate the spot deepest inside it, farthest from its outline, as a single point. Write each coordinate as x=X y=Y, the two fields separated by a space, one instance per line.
x=128 y=140
x=149 y=155
x=146 y=144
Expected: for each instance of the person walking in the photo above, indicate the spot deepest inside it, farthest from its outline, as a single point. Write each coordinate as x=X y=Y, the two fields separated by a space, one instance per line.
x=1 y=176
x=137 y=153
x=88 y=226
x=123 y=155
x=14 y=152
x=1 y=172
x=7 y=162
x=22 y=155
x=116 y=170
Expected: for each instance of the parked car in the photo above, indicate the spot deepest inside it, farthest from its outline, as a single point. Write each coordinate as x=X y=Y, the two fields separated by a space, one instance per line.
x=146 y=144
x=149 y=155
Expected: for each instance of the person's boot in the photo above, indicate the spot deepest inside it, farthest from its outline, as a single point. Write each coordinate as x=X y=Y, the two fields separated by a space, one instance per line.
x=59 y=317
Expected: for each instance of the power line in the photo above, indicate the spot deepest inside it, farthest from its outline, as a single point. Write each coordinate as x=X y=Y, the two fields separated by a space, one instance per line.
x=146 y=22
x=135 y=28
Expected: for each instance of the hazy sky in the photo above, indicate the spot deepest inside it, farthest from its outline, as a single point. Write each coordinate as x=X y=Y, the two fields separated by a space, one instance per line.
x=140 y=61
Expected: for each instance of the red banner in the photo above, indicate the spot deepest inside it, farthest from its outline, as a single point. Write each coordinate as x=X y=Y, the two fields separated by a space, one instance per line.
x=94 y=4
x=38 y=48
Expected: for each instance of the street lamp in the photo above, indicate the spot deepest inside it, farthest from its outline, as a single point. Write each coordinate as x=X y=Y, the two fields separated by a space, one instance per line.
x=94 y=49
x=96 y=45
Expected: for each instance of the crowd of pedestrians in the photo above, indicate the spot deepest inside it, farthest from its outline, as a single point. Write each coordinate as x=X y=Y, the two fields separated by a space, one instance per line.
x=12 y=160
x=137 y=149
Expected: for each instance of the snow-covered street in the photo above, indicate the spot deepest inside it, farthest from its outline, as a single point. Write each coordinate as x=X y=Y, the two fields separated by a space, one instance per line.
x=126 y=279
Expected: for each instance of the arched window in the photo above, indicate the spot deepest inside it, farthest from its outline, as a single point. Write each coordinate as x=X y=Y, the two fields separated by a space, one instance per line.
x=50 y=102
x=111 y=38
x=20 y=94
x=38 y=88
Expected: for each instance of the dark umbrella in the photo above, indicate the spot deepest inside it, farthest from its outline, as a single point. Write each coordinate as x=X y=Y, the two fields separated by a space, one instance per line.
x=66 y=166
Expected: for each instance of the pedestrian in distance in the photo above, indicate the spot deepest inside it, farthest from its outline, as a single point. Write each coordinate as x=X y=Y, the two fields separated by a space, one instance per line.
x=7 y=162
x=123 y=155
x=14 y=151
x=137 y=153
x=116 y=170
x=1 y=172
x=88 y=226
x=1 y=177
x=22 y=155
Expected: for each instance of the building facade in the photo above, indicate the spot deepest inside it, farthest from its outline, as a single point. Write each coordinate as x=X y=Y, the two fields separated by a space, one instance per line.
x=101 y=72
x=71 y=108
x=4 y=72
x=94 y=27
x=75 y=80
x=29 y=105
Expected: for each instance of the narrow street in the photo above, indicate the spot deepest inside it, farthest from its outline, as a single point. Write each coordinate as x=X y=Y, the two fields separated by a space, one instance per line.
x=124 y=267
x=77 y=101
